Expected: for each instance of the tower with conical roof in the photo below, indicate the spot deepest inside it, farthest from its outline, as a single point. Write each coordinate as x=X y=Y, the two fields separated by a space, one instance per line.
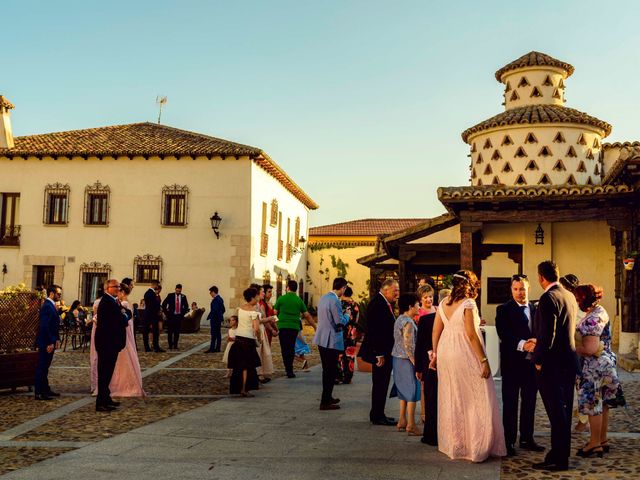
x=536 y=140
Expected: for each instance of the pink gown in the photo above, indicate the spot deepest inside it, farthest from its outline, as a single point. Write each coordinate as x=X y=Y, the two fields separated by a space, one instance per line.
x=469 y=423
x=127 y=376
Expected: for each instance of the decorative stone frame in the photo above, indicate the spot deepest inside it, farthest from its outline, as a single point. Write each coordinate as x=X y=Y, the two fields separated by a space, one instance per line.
x=169 y=191
x=273 y=218
x=149 y=261
x=96 y=189
x=51 y=190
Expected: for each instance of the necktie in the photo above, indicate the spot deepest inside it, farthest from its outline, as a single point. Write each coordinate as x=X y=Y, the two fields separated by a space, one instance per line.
x=524 y=312
x=177 y=304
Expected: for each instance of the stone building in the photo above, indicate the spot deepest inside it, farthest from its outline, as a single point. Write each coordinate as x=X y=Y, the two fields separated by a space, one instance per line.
x=139 y=200
x=544 y=185
x=334 y=251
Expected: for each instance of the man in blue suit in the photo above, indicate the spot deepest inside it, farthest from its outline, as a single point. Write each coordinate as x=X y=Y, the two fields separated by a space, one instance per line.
x=215 y=317
x=330 y=340
x=48 y=340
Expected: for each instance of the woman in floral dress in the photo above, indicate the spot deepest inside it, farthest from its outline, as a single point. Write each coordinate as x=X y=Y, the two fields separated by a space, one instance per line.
x=598 y=385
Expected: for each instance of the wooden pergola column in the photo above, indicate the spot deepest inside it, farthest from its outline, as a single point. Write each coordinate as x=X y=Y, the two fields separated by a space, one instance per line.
x=470 y=240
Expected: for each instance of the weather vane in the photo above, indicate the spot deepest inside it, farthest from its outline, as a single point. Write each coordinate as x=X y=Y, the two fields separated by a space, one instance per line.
x=161 y=100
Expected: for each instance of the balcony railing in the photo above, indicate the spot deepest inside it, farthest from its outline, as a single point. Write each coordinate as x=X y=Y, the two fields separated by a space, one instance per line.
x=10 y=235
x=264 y=244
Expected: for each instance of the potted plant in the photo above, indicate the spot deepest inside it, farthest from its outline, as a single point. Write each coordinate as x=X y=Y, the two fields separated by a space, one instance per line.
x=629 y=260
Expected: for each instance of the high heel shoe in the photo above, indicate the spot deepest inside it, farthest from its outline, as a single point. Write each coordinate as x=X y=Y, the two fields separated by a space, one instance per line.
x=414 y=432
x=605 y=446
x=401 y=428
x=597 y=450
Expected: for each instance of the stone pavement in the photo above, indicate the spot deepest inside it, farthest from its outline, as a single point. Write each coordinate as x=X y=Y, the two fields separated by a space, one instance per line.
x=279 y=434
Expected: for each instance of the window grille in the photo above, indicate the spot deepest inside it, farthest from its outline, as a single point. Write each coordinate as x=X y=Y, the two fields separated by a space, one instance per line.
x=56 y=204
x=174 y=205
x=96 y=204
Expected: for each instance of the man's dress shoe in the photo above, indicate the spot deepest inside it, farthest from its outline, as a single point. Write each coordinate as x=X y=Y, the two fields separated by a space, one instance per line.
x=511 y=451
x=43 y=396
x=105 y=408
x=51 y=393
x=532 y=446
x=386 y=421
x=330 y=406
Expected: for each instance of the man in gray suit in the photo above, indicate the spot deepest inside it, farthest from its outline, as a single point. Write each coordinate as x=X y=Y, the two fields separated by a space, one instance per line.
x=330 y=340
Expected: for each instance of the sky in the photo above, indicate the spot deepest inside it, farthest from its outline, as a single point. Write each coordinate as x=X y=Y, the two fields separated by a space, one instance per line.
x=361 y=102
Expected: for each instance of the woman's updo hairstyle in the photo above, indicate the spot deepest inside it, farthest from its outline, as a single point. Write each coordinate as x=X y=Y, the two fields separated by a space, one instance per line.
x=126 y=289
x=465 y=284
x=250 y=293
x=587 y=296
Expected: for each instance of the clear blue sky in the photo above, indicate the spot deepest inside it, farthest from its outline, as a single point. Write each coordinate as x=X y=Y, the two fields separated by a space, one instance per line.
x=361 y=102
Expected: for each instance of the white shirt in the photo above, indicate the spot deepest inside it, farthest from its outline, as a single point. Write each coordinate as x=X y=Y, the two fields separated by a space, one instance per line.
x=527 y=312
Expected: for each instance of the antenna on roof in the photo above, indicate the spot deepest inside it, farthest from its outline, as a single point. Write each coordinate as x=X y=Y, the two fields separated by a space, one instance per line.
x=161 y=100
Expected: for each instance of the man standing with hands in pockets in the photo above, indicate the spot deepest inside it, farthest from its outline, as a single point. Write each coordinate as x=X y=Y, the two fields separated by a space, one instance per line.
x=48 y=340
x=514 y=325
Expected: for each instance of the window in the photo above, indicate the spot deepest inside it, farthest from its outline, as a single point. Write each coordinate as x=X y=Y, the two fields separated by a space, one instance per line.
x=514 y=96
x=280 y=243
x=571 y=152
x=547 y=82
x=582 y=140
x=507 y=140
x=479 y=159
x=545 y=152
x=531 y=138
x=43 y=276
x=147 y=268
x=496 y=155
x=487 y=144
x=559 y=166
x=488 y=170
x=296 y=232
x=9 y=228
x=56 y=204
x=520 y=180
x=544 y=180
x=520 y=153
x=556 y=94
x=289 y=247
x=264 y=238
x=174 y=205
x=582 y=167
x=523 y=82
x=532 y=165
x=507 y=168
x=495 y=181
x=535 y=92
x=571 y=180
x=559 y=138
x=96 y=204
x=92 y=277
x=273 y=219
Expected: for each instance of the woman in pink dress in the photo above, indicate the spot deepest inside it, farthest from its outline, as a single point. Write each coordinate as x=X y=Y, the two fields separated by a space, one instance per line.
x=469 y=423
x=93 y=354
x=127 y=376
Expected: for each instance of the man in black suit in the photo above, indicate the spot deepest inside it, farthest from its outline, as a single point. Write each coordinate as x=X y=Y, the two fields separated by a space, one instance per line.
x=175 y=306
x=110 y=339
x=514 y=326
x=376 y=348
x=423 y=356
x=152 y=317
x=556 y=362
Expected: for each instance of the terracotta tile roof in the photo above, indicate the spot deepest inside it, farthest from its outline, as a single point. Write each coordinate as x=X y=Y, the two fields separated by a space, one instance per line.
x=534 y=59
x=146 y=139
x=628 y=159
x=537 y=114
x=133 y=139
x=606 y=146
x=365 y=227
x=500 y=192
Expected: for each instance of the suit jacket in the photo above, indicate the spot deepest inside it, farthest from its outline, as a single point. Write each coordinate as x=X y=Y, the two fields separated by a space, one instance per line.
x=512 y=326
x=49 y=327
x=554 y=328
x=216 y=314
x=151 y=306
x=424 y=342
x=169 y=304
x=111 y=330
x=331 y=320
x=378 y=338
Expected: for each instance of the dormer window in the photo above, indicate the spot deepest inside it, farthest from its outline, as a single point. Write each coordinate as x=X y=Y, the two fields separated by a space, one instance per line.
x=544 y=180
x=507 y=168
x=520 y=153
x=559 y=166
x=523 y=82
x=572 y=152
x=496 y=155
x=559 y=138
x=520 y=180
x=506 y=141
x=488 y=170
x=487 y=144
x=545 y=152
x=547 y=82
x=532 y=165
x=535 y=93
x=531 y=138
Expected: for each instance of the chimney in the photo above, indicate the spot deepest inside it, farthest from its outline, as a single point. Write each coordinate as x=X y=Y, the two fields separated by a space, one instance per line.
x=6 y=136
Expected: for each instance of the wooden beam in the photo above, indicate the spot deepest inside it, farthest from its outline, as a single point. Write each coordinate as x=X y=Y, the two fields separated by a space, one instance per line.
x=540 y=215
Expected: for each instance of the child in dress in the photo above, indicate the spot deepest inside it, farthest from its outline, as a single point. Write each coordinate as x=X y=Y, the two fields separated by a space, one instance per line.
x=231 y=336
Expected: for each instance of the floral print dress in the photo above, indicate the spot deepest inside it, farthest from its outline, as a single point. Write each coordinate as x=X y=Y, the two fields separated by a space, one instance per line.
x=598 y=383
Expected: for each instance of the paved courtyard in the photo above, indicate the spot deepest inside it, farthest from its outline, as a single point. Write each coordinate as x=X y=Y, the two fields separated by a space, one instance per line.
x=189 y=428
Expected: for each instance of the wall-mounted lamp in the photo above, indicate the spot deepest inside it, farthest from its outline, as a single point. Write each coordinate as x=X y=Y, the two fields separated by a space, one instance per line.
x=215 y=224
x=4 y=269
x=301 y=243
x=539 y=235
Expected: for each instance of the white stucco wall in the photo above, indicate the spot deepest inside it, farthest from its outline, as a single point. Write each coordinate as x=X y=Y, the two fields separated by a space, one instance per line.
x=265 y=188
x=191 y=255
